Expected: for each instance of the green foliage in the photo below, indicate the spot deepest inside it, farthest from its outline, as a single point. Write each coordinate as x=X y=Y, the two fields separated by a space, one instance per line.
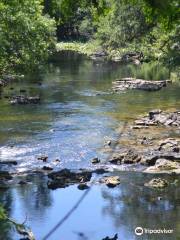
x=148 y=26
x=123 y=24
x=26 y=36
x=75 y=19
x=83 y=48
x=3 y=215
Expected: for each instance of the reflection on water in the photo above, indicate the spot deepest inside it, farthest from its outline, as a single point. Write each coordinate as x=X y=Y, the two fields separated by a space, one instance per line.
x=77 y=113
x=104 y=212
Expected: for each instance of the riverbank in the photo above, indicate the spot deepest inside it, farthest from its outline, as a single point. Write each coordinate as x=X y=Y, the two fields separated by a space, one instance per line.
x=95 y=51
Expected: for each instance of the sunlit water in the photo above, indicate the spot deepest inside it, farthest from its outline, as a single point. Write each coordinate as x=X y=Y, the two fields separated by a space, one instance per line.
x=77 y=114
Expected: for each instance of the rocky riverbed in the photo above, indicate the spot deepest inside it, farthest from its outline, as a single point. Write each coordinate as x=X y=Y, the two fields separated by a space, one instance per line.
x=151 y=150
x=140 y=84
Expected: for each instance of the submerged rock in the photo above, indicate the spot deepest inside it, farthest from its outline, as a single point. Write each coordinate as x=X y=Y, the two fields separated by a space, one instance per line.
x=157 y=183
x=5 y=175
x=9 y=162
x=100 y=171
x=113 y=238
x=43 y=158
x=83 y=186
x=111 y=181
x=140 y=84
x=65 y=177
x=21 y=99
x=46 y=168
x=95 y=160
x=21 y=182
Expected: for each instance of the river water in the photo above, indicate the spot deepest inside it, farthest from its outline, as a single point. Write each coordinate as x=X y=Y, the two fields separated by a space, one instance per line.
x=77 y=115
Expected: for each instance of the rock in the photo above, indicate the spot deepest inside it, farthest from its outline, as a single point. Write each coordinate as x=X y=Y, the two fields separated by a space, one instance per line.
x=22 y=182
x=132 y=57
x=108 y=143
x=111 y=181
x=146 y=141
x=139 y=127
x=131 y=157
x=83 y=186
x=149 y=159
x=117 y=59
x=4 y=175
x=95 y=160
x=116 y=159
x=157 y=117
x=99 y=54
x=136 y=62
x=163 y=165
x=157 y=183
x=154 y=112
x=100 y=171
x=57 y=160
x=46 y=168
x=154 y=156
x=140 y=84
x=21 y=99
x=43 y=158
x=168 y=144
x=128 y=157
x=65 y=177
x=113 y=238
x=9 y=162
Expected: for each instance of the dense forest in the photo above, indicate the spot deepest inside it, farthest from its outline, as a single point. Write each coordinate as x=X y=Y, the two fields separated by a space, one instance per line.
x=30 y=29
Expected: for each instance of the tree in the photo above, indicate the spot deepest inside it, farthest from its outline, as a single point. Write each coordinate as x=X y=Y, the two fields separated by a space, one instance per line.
x=70 y=14
x=26 y=36
x=123 y=24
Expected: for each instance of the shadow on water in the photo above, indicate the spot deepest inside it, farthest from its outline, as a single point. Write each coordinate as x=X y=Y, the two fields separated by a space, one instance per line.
x=77 y=113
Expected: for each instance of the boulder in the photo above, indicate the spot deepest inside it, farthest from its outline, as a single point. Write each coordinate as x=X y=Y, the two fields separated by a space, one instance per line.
x=157 y=183
x=21 y=99
x=5 y=175
x=140 y=84
x=111 y=238
x=128 y=157
x=158 y=117
x=46 y=168
x=43 y=158
x=65 y=177
x=82 y=186
x=95 y=160
x=163 y=165
x=111 y=181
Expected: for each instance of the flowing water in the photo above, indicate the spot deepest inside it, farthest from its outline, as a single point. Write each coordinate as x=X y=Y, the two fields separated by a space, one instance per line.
x=77 y=114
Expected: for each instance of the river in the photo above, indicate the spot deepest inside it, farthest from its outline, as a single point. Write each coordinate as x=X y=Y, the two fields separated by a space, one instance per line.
x=78 y=113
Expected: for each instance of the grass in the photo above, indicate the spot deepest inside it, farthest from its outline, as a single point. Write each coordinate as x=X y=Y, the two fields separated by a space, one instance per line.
x=87 y=48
